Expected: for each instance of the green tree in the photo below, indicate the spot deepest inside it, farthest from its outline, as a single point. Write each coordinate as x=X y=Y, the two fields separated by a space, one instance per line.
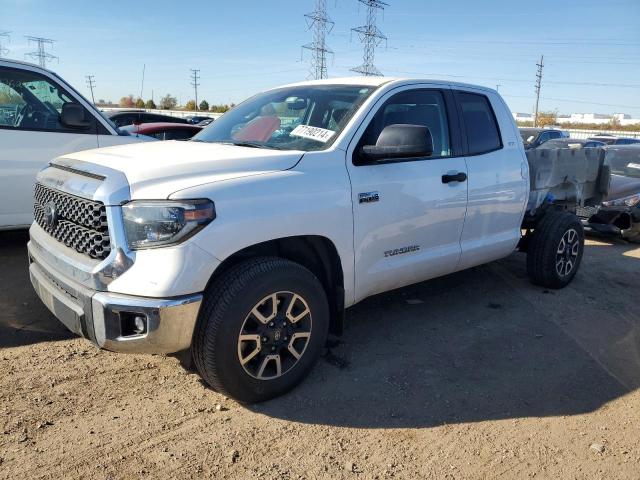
x=127 y=101
x=191 y=105
x=139 y=103
x=204 y=105
x=219 y=108
x=168 y=102
x=150 y=104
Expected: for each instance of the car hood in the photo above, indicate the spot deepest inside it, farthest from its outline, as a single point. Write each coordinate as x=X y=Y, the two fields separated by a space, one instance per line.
x=154 y=170
x=622 y=186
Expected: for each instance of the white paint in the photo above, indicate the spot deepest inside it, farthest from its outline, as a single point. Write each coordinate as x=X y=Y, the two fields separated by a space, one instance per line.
x=24 y=152
x=263 y=194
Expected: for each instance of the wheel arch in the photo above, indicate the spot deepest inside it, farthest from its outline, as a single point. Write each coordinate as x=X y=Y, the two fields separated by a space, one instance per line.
x=315 y=252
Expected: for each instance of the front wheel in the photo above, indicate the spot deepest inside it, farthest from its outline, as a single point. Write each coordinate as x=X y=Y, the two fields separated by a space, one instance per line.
x=555 y=250
x=261 y=328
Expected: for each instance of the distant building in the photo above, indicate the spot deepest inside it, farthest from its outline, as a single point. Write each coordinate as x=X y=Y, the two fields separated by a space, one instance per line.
x=597 y=118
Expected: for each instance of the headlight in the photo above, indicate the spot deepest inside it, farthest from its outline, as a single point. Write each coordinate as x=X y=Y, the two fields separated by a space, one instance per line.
x=149 y=224
x=629 y=201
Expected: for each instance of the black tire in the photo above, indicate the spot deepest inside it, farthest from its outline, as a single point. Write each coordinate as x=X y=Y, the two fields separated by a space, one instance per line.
x=226 y=308
x=544 y=262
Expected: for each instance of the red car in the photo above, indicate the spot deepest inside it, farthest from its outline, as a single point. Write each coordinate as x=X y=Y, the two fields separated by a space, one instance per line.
x=164 y=130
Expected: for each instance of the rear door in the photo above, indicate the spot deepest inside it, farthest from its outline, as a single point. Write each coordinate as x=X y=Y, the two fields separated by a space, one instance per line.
x=498 y=180
x=31 y=135
x=407 y=221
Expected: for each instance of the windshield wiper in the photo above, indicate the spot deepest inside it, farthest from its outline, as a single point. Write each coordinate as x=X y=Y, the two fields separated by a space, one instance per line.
x=246 y=144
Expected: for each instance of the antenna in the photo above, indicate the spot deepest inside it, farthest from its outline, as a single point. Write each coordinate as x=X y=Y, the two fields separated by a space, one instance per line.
x=370 y=36
x=194 y=83
x=91 y=83
x=41 y=55
x=538 y=87
x=3 y=50
x=321 y=25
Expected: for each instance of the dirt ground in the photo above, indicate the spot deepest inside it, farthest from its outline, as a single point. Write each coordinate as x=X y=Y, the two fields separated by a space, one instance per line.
x=475 y=375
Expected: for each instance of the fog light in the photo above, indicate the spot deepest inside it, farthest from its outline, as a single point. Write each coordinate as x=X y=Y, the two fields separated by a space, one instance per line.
x=139 y=323
x=133 y=323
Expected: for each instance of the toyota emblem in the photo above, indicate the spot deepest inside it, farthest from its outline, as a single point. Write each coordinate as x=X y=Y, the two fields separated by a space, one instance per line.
x=50 y=214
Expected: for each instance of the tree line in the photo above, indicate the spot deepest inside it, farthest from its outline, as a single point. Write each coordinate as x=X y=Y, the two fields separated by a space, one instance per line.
x=169 y=102
x=551 y=119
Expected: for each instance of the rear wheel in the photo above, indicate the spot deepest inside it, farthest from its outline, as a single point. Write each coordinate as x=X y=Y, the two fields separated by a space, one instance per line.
x=261 y=328
x=555 y=250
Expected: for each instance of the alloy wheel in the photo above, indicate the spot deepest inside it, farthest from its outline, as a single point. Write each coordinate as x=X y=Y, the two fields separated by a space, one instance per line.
x=274 y=335
x=567 y=253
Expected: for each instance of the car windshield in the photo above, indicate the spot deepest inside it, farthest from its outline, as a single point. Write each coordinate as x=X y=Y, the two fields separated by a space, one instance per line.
x=304 y=118
x=624 y=161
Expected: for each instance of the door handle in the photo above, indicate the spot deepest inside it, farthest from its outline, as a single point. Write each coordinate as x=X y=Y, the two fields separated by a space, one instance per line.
x=455 y=177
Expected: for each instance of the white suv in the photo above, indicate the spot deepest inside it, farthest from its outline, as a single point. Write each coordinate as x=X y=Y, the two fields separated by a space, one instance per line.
x=41 y=117
x=247 y=243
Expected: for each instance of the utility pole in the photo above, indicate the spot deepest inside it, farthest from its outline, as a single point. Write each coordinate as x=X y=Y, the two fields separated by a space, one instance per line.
x=91 y=83
x=41 y=55
x=144 y=67
x=321 y=25
x=194 y=83
x=497 y=87
x=538 y=87
x=3 y=50
x=370 y=36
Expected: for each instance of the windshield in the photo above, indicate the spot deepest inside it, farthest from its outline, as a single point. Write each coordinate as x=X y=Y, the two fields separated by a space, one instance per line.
x=624 y=162
x=304 y=118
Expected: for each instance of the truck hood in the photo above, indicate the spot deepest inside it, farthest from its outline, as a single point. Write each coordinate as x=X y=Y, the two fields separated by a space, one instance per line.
x=155 y=170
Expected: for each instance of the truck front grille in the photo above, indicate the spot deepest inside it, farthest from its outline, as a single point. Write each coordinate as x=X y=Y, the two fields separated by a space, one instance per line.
x=77 y=222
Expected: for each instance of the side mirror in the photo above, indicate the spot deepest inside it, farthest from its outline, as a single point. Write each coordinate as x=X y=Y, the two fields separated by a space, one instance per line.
x=73 y=116
x=400 y=141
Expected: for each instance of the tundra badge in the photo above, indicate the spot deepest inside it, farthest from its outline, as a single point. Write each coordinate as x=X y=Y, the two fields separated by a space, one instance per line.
x=368 y=197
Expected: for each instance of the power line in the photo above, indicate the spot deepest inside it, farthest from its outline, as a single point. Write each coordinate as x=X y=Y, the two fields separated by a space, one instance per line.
x=538 y=87
x=91 y=84
x=41 y=55
x=321 y=25
x=194 y=82
x=370 y=36
x=4 y=34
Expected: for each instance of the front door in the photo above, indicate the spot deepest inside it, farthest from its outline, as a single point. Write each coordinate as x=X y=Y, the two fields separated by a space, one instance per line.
x=31 y=135
x=408 y=214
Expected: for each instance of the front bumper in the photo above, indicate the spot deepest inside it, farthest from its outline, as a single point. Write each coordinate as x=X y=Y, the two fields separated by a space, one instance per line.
x=105 y=318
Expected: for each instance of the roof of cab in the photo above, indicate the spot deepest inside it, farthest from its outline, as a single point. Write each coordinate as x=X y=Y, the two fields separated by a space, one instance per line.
x=23 y=64
x=379 y=81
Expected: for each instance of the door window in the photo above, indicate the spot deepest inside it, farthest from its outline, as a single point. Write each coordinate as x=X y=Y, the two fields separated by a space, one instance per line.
x=415 y=107
x=483 y=135
x=30 y=101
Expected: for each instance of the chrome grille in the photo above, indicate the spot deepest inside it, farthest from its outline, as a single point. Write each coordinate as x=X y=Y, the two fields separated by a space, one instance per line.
x=80 y=224
x=586 y=212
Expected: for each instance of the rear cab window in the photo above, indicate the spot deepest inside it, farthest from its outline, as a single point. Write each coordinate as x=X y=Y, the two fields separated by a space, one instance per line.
x=480 y=124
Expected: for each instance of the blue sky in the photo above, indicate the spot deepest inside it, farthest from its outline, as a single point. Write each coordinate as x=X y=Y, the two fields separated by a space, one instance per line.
x=591 y=48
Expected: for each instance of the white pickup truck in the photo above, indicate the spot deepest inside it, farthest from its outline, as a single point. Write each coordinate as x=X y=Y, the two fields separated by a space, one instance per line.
x=246 y=244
